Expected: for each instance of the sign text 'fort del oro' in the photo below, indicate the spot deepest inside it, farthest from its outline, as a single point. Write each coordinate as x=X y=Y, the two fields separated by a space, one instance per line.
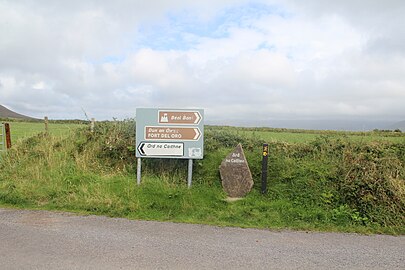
x=172 y=133
x=169 y=133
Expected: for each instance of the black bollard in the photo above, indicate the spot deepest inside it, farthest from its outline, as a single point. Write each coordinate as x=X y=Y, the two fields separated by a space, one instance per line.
x=264 y=167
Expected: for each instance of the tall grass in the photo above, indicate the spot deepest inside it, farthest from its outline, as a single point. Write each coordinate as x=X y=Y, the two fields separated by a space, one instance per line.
x=330 y=183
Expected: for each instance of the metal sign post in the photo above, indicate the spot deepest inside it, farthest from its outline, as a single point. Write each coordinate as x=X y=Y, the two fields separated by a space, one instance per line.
x=190 y=173
x=138 y=171
x=170 y=133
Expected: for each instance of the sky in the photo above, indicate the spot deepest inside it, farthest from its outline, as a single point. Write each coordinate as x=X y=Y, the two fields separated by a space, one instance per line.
x=240 y=61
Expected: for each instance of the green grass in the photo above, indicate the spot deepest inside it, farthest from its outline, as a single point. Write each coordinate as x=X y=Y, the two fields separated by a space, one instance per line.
x=331 y=183
x=154 y=199
x=305 y=137
x=301 y=136
x=21 y=130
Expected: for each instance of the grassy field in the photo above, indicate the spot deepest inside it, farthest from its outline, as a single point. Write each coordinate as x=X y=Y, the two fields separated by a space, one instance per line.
x=300 y=136
x=327 y=183
x=20 y=130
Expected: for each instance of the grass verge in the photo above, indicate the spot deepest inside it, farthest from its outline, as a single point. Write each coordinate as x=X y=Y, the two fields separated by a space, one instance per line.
x=327 y=185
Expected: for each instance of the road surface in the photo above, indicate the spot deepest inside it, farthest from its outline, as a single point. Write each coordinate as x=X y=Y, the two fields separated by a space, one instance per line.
x=54 y=240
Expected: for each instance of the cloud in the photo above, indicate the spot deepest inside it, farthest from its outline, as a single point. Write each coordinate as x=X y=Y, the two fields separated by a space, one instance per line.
x=237 y=59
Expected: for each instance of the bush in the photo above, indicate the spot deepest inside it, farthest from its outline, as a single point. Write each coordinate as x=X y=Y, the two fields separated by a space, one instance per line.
x=331 y=173
x=327 y=180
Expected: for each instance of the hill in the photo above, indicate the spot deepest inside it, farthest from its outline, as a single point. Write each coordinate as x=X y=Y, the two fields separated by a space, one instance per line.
x=6 y=113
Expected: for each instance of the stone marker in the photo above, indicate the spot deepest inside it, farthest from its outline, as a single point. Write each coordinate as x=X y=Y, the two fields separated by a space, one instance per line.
x=235 y=174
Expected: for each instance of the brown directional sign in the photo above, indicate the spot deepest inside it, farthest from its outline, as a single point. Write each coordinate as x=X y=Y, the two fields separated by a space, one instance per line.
x=169 y=133
x=172 y=133
x=179 y=117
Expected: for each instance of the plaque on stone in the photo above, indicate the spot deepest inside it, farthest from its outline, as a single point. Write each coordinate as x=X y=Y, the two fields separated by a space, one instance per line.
x=235 y=174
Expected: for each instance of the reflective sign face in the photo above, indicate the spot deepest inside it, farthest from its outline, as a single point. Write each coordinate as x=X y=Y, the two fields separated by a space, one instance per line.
x=161 y=149
x=170 y=133
x=179 y=117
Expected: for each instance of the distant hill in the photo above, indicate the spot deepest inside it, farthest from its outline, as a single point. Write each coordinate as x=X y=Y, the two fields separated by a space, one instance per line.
x=6 y=113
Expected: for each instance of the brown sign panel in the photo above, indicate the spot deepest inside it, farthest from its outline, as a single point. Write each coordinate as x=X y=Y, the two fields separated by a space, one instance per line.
x=172 y=133
x=179 y=117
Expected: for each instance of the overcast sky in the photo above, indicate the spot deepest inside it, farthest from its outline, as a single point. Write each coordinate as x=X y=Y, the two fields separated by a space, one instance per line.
x=238 y=60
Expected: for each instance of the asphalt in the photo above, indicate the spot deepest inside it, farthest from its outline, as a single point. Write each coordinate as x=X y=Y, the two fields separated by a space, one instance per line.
x=55 y=240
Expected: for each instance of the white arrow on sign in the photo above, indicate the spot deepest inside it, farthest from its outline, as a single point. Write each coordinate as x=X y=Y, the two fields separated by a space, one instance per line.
x=197 y=133
x=161 y=149
x=197 y=117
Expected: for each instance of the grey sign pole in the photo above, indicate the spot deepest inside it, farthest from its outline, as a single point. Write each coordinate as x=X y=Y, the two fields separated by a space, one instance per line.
x=138 y=171
x=190 y=172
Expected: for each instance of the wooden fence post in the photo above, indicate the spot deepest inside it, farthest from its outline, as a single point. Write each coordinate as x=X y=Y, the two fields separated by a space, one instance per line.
x=92 y=125
x=46 y=125
x=8 y=135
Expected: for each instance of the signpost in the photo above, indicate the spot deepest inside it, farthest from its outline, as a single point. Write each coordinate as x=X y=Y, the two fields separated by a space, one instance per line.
x=169 y=133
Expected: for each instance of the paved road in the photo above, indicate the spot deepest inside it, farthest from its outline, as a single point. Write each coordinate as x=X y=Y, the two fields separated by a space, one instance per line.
x=49 y=240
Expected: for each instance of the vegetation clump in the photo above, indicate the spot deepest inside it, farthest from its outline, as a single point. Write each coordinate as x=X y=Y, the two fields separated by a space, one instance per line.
x=330 y=183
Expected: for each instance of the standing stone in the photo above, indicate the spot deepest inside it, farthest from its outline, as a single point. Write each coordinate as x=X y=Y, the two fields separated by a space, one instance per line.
x=235 y=174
